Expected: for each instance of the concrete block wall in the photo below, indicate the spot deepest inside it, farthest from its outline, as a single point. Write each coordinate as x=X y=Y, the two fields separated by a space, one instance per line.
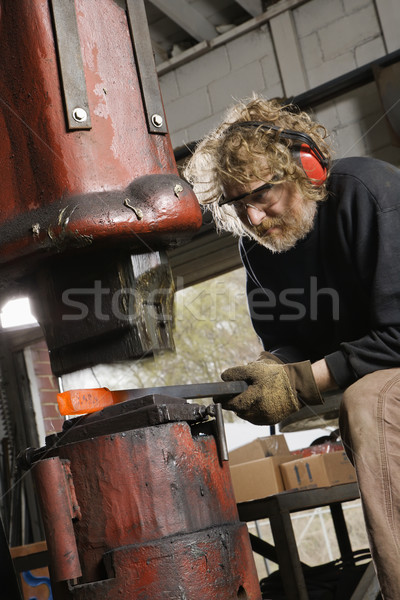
x=332 y=37
x=197 y=93
x=358 y=125
x=337 y=36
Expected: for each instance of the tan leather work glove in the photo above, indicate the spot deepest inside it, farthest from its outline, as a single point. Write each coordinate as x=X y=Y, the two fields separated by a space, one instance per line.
x=275 y=389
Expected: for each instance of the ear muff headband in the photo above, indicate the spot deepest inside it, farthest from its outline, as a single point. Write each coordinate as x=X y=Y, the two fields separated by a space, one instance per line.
x=305 y=151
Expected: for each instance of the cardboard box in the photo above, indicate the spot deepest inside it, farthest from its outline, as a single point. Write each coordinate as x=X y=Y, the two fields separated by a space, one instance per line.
x=258 y=478
x=272 y=445
x=318 y=470
x=255 y=467
x=318 y=449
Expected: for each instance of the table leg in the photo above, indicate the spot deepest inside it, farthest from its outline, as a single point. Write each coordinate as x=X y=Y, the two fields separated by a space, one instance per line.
x=342 y=534
x=288 y=557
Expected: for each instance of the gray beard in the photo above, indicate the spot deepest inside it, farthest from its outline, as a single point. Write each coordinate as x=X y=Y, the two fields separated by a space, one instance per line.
x=294 y=227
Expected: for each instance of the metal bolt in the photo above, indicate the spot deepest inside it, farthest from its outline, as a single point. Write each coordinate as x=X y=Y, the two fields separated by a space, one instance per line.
x=157 y=120
x=178 y=189
x=79 y=114
x=138 y=212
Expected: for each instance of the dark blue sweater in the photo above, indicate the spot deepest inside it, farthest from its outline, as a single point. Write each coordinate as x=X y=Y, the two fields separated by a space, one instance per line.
x=336 y=294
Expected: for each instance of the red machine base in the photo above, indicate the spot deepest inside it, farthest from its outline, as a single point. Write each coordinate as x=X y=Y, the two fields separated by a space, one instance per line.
x=151 y=512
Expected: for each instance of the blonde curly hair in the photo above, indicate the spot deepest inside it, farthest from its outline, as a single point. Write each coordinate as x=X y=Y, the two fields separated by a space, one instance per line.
x=237 y=154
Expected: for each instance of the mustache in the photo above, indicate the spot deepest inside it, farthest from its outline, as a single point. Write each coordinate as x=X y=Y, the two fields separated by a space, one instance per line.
x=267 y=223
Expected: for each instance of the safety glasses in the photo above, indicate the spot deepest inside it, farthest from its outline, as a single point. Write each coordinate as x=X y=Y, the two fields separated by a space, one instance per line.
x=262 y=188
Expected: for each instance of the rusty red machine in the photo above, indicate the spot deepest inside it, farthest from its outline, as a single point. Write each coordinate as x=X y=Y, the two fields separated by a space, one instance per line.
x=137 y=499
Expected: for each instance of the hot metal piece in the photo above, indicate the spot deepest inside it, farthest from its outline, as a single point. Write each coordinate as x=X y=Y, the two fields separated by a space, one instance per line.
x=83 y=401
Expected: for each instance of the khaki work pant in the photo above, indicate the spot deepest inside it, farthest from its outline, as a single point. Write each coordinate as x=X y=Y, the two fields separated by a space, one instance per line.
x=370 y=429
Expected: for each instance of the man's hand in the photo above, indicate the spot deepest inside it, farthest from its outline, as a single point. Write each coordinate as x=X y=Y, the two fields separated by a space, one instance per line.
x=275 y=389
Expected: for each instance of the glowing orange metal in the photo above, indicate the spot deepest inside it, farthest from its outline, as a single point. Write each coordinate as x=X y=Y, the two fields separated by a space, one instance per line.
x=80 y=402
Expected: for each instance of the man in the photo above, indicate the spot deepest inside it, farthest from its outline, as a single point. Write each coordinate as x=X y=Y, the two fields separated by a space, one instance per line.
x=321 y=244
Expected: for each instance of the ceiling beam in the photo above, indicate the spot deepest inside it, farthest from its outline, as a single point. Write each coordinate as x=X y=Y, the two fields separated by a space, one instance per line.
x=253 y=7
x=184 y=15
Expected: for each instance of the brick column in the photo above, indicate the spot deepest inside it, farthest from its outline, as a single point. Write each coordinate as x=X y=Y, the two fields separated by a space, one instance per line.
x=46 y=387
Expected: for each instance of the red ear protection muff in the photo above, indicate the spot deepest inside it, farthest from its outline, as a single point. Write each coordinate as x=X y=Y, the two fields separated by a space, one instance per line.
x=311 y=164
x=304 y=150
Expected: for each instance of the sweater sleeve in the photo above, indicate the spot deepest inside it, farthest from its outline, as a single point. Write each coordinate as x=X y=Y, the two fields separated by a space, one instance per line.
x=369 y=225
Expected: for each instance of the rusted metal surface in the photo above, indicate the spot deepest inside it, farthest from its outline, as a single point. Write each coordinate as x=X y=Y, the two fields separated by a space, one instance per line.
x=76 y=204
x=153 y=409
x=149 y=483
x=101 y=305
x=57 y=513
x=159 y=517
x=99 y=218
x=211 y=564
x=149 y=410
x=69 y=188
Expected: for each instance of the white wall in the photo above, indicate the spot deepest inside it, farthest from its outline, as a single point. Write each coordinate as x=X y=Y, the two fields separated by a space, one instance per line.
x=296 y=50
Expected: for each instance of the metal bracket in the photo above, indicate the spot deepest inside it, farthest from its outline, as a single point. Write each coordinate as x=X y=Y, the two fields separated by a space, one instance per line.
x=147 y=73
x=71 y=64
x=215 y=410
